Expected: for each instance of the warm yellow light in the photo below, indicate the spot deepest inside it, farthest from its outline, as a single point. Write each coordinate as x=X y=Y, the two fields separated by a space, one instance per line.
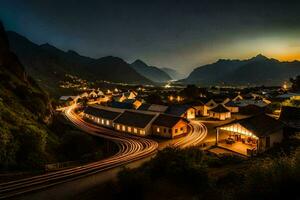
x=284 y=86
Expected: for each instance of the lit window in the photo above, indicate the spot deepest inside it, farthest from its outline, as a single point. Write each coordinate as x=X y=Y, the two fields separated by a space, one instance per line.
x=123 y=128
x=157 y=129
x=107 y=122
x=98 y=120
x=134 y=130
x=142 y=132
x=129 y=129
x=118 y=127
x=102 y=121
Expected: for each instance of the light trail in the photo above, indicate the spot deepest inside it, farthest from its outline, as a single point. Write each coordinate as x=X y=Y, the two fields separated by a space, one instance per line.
x=195 y=137
x=131 y=148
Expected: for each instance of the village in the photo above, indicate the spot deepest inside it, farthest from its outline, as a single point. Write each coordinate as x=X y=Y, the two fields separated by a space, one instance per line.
x=244 y=122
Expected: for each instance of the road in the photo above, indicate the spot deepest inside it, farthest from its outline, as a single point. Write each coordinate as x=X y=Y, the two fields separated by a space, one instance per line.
x=197 y=134
x=131 y=149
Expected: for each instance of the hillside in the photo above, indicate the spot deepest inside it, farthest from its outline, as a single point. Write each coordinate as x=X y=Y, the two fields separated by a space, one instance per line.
x=24 y=112
x=258 y=70
x=175 y=75
x=48 y=64
x=153 y=73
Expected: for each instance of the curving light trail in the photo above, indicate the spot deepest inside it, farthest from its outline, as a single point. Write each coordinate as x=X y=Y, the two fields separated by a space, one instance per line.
x=197 y=134
x=131 y=148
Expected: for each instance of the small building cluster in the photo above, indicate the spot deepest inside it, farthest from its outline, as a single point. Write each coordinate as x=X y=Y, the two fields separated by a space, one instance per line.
x=136 y=122
x=222 y=107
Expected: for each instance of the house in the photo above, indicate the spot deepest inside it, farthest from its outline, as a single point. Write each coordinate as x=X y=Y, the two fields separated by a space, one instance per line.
x=169 y=126
x=84 y=95
x=250 y=135
x=101 y=116
x=134 y=102
x=237 y=98
x=130 y=94
x=93 y=94
x=232 y=106
x=184 y=111
x=136 y=123
x=120 y=98
x=219 y=112
x=199 y=109
x=211 y=104
x=100 y=93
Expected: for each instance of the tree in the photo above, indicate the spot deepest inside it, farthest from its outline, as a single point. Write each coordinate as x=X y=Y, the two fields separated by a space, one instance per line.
x=295 y=83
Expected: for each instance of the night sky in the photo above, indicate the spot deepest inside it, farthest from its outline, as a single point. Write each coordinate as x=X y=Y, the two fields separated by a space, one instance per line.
x=176 y=34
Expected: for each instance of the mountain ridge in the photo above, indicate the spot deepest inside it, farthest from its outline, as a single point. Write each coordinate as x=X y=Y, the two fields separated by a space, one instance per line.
x=151 y=72
x=258 y=70
x=49 y=64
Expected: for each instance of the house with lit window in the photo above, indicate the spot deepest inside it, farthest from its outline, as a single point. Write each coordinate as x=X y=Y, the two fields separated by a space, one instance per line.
x=184 y=111
x=232 y=106
x=169 y=126
x=100 y=116
x=250 y=136
x=134 y=122
x=219 y=112
x=93 y=94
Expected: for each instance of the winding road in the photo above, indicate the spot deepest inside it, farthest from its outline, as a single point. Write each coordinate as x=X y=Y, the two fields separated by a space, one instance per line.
x=131 y=148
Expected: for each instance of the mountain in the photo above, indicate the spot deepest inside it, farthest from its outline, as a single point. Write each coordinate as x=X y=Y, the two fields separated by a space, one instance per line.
x=48 y=64
x=172 y=73
x=258 y=70
x=153 y=73
x=25 y=111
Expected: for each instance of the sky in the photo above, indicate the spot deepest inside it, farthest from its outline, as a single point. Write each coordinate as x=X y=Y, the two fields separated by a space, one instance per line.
x=178 y=34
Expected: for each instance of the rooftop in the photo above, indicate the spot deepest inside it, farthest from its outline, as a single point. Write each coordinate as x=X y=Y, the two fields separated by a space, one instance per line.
x=167 y=120
x=106 y=114
x=219 y=109
x=260 y=125
x=134 y=119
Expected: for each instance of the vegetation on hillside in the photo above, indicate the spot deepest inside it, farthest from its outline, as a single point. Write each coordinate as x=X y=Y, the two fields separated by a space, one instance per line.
x=192 y=174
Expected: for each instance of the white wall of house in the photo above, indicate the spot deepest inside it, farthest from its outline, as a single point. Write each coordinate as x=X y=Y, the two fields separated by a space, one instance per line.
x=100 y=121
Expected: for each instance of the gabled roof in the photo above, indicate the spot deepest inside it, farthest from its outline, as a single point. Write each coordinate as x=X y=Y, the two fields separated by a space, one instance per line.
x=177 y=110
x=168 y=120
x=134 y=119
x=232 y=104
x=260 y=125
x=219 y=109
x=101 y=113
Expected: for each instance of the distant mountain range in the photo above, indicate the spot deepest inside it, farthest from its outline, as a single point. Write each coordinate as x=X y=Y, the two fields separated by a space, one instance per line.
x=258 y=70
x=173 y=73
x=153 y=73
x=48 y=64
